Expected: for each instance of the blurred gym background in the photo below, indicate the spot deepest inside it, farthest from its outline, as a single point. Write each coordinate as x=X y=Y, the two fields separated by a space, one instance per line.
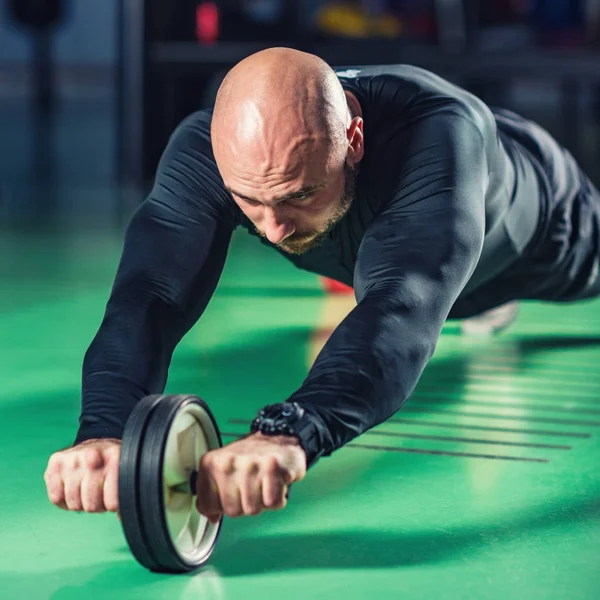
x=89 y=91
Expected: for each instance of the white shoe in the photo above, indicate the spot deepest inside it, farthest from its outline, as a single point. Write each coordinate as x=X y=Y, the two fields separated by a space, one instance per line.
x=491 y=321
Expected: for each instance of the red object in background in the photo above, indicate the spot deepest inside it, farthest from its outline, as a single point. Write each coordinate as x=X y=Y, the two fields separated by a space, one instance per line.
x=207 y=22
x=331 y=286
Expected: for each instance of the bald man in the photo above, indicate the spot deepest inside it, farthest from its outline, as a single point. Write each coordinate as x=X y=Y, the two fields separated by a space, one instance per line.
x=390 y=179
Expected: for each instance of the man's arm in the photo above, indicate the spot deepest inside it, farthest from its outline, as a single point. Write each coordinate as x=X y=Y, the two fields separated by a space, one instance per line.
x=414 y=260
x=174 y=252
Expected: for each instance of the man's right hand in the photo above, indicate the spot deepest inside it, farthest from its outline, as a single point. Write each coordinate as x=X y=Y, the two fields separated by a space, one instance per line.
x=85 y=477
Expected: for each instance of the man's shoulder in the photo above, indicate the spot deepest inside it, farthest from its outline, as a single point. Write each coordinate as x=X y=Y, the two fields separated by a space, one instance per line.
x=406 y=92
x=187 y=169
x=381 y=78
x=190 y=142
x=196 y=125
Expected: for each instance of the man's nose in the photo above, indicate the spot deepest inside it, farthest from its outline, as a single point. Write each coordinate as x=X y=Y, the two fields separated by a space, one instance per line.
x=277 y=228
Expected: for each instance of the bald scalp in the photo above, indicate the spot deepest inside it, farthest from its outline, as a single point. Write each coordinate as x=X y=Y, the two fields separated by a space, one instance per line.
x=277 y=104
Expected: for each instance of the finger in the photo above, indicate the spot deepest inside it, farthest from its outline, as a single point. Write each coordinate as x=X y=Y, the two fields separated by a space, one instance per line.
x=251 y=496
x=229 y=493
x=56 y=489
x=73 y=491
x=207 y=501
x=274 y=492
x=111 y=488
x=92 y=492
x=92 y=483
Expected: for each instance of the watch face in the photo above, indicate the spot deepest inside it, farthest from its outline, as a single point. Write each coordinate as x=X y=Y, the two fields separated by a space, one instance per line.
x=287 y=412
x=278 y=416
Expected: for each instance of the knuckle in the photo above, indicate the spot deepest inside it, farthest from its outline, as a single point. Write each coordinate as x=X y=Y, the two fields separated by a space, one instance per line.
x=54 y=463
x=223 y=463
x=91 y=453
x=208 y=461
x=68 y=462
x=92 y=458
x=113 y=453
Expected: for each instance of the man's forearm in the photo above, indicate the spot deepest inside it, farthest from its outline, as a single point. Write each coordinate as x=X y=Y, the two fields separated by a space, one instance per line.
x=368 y=368
x=126 y=361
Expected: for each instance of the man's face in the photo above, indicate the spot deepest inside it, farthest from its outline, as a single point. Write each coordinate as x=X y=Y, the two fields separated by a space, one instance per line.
x=296 y=210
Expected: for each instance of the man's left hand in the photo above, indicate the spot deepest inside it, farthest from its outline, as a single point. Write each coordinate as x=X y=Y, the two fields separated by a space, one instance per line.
x=249 y=476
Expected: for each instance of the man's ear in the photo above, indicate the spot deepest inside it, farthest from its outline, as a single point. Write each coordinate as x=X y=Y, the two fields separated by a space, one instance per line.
x=356 y=147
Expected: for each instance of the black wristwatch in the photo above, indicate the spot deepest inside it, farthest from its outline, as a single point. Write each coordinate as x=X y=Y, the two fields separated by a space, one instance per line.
x=277 y=419
x=289 y=418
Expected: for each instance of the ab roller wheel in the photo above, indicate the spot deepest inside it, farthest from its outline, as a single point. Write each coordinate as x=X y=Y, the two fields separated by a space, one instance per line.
x=163 y=442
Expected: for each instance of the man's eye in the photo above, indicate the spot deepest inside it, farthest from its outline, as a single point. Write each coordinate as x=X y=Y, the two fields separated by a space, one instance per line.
x=301 y=198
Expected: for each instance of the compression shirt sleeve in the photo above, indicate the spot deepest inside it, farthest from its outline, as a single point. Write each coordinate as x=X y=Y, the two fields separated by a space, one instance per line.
x=173 y=256
x=414 y=260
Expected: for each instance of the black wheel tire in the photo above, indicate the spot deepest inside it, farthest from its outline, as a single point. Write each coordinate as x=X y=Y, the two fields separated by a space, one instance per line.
x=129 y=488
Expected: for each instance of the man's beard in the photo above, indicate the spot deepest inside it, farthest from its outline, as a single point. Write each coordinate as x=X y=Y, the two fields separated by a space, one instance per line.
x=302 y=243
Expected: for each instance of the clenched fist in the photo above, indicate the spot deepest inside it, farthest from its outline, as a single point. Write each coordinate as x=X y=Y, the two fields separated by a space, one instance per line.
x=249 y=476
x=85 y=477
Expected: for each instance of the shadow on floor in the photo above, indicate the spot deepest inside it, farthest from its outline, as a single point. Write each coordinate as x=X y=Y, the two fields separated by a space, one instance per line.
x=247 y=554
x=388 y=549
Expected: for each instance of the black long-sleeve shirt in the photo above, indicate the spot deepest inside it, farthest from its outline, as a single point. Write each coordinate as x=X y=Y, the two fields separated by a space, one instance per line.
x=449 y=193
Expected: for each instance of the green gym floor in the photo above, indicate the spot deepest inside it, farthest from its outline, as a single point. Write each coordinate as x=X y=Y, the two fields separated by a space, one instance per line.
x=485 y=485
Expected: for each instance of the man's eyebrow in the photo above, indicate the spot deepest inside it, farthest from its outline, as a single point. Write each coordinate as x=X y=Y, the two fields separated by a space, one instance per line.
x=306 y=190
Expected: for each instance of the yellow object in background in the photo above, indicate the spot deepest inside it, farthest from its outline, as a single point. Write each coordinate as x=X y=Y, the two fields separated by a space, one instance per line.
x=352 y=21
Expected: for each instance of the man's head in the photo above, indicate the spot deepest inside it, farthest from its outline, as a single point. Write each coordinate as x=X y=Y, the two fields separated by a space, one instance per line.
x=287 y=145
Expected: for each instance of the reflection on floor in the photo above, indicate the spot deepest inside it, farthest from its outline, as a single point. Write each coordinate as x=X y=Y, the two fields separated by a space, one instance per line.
x=485 y=484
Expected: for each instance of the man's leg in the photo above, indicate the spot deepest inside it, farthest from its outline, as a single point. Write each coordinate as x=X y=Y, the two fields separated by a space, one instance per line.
x=491 y=321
